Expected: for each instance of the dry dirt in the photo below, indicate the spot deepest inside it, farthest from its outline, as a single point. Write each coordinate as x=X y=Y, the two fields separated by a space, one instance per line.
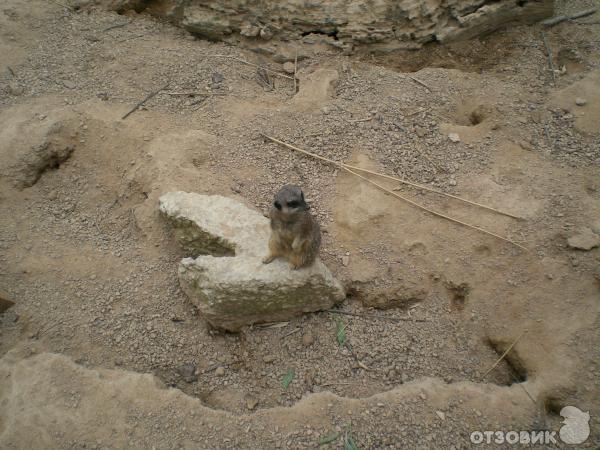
x=103 y=350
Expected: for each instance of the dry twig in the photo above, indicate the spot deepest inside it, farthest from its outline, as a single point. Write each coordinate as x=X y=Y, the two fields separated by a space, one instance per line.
x=243 y=61
x=295 y=70
x=399 y=180
x=416 y=80
x=194 y=94
x=549 y=55
x=375 y=316
x=558 y=19
x=118 y=25
x=368 y=119
x=289 y=333
x=148 y=97
x=504 y=354
x=451 y=219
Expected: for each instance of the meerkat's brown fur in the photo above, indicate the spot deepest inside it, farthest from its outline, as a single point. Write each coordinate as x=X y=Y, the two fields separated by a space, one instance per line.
x=295 y=234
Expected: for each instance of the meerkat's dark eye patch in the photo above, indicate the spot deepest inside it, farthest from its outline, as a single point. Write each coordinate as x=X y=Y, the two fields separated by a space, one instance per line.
x=293 y=204
x=277 y=205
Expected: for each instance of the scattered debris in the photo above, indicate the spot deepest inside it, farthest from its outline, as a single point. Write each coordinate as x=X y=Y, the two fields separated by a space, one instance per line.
x=266 y=69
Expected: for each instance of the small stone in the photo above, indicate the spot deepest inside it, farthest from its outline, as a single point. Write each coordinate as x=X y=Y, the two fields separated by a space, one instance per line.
x=525 y=145
x=68 y=84
x=454 y=137
x=586 y=239
x=250 y=30
x=217 y=77
x=308 y=339
x=441 y=415
x=269 y=359
x=251 y=402
x=580 y=101
x=266 y=34
x=5 y=303
x=15 y=89
x=220 y=371
x=188 y=372
x=345 y=260
x=289 y=67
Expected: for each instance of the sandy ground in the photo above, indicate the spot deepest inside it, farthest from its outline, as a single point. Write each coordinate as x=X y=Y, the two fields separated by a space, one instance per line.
x=97 y=351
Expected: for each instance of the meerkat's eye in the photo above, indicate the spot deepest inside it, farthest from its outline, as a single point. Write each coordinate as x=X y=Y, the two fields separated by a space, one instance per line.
x=277 y=205
x=293 y=204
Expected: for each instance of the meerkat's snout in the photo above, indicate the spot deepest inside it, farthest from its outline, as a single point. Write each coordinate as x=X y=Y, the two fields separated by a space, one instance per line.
x=295 y=235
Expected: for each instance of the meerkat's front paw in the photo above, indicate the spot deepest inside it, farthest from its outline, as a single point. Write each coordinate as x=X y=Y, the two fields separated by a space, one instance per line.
x=268 y=259
x=294 y=266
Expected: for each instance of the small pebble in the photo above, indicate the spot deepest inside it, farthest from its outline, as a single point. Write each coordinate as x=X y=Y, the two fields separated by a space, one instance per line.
x=289 y=67
x=308 y=339
x=454 y=137
x=580 y=101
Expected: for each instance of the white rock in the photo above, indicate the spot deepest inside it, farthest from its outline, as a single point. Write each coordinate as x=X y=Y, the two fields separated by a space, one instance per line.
x=454 y=137
x=580 y=101
x=237 y=290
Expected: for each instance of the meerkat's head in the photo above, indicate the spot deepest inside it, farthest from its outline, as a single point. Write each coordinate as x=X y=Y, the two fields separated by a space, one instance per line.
x=290 y=201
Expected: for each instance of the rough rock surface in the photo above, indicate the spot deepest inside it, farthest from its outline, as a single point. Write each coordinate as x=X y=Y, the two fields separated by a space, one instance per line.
x=29 y=145
x=396 y=296
x=384 y=23
x=233 y=291
x=585 y=239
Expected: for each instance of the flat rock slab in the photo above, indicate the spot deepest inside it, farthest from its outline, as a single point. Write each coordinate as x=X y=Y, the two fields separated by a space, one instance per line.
x=226 y=278
x=585 y=239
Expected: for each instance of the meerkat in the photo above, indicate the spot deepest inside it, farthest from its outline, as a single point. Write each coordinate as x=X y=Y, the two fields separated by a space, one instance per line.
x=295 y=234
